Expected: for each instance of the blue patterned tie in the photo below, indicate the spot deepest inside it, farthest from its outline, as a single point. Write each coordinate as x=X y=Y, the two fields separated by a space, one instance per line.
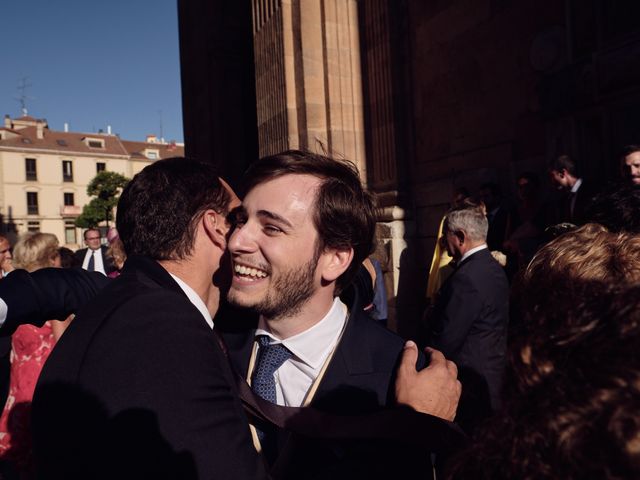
x=270 y=358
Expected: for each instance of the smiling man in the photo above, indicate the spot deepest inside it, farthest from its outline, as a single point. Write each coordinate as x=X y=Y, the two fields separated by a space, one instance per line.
x=305 y=227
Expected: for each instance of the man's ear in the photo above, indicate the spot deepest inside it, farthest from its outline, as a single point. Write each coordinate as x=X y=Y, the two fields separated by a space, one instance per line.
x=335 y=262
x=216 y=228
x=461 y=235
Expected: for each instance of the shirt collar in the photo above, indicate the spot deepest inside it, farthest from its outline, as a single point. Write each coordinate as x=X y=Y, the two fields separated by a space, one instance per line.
x=314 y=344
x=471 y=252
x=195 y=299
x=576 y=185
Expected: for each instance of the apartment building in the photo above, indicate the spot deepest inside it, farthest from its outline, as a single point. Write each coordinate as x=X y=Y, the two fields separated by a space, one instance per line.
x=44 y=173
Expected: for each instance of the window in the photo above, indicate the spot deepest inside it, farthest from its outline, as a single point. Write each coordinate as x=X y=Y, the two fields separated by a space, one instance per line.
x=33 y=226
x=67 y=170
x=62 y=143
x=101 y=167
x=30 y=168
x=69 y=232
x=152 y=154
x=32 y=203
x=93 y=142
x=68 y=200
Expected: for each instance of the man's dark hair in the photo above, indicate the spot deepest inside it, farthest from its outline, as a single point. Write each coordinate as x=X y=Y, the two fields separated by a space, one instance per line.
x=84 y=235
x=344 y=211
x=617 y=208
x=628 y=150
x=159 y=209
x=564 y=162
x=67 y=258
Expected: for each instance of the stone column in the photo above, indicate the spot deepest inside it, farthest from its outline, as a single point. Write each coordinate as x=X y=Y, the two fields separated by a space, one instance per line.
x=308 y=78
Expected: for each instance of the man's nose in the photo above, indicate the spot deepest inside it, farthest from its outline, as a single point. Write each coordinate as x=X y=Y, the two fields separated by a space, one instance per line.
x=243 y=239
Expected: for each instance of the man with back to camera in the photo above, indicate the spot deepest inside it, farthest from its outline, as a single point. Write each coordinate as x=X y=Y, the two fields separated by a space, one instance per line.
x=304 y=228
x=94 y=257
x=469 y=320
x=138 y=386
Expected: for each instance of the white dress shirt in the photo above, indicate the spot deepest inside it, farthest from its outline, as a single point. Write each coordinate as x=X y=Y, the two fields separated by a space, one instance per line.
x=310 y=350
x=98 y=264
x=195 y=299
x=472 y=251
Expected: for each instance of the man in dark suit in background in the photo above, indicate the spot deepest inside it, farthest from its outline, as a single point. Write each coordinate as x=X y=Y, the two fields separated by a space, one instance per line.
x=575 y=194
x=303 y=230
x=94 y=258
x=469 y=319
x=138 y=386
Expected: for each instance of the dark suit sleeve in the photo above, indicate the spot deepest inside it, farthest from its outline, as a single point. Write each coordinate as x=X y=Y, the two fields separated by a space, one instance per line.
x=454 y=314
x=49 y=293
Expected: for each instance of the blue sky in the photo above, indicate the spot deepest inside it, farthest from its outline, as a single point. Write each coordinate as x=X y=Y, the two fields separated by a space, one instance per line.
x=94 y=63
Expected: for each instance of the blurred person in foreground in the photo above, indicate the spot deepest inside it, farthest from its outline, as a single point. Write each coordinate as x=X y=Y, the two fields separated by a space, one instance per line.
x=573 y=386
x=30 y=348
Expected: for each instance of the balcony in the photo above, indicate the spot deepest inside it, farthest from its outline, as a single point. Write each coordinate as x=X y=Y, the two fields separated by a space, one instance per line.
x=70 y=210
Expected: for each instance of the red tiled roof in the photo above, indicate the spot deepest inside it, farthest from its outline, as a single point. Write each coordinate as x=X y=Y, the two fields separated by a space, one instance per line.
x=165 y=150
x=73 y=141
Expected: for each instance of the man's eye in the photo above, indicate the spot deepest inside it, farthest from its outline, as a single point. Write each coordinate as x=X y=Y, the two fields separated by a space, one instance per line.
x=271 y=229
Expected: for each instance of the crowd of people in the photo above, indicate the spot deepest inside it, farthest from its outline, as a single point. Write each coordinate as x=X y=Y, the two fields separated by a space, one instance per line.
x=239 y=339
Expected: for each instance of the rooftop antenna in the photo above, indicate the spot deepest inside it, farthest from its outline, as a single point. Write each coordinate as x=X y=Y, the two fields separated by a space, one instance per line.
x=22 y=87
x=161 y=130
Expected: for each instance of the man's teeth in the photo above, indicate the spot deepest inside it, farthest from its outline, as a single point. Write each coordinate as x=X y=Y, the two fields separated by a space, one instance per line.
x=252 y=272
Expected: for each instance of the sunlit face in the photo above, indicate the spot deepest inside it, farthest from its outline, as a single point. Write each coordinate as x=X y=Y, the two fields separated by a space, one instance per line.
x=632 y=167
x=5 y=250
x=92 y=239
x=274 y=247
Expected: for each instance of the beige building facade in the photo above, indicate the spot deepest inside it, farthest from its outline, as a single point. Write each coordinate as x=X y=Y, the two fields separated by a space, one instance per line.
x=44 y=174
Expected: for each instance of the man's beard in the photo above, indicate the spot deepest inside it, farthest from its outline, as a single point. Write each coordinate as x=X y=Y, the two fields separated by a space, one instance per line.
x=288 y=294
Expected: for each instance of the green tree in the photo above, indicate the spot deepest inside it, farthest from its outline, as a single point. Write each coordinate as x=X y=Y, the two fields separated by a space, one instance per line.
x=105 y=188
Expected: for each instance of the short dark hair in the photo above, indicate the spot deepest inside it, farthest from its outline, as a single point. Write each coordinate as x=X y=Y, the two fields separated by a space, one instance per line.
x=564 y=162
x=159 y=209
x=617 y=207
x=344 y=211
x=84 y=235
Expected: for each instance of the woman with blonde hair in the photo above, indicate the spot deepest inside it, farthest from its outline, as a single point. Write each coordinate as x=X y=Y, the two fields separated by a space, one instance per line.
x=30 y=347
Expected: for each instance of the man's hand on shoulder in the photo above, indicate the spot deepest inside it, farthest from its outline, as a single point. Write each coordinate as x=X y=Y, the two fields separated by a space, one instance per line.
x=434 y=390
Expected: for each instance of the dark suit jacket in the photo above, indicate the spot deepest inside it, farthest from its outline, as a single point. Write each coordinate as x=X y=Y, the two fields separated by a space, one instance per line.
x=359 y=379
x=469 y=326
x=106 y=259
x=583 y=200
x=138 y=387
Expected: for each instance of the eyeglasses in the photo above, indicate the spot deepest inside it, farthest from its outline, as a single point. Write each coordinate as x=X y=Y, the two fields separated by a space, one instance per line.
x=92 y=238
